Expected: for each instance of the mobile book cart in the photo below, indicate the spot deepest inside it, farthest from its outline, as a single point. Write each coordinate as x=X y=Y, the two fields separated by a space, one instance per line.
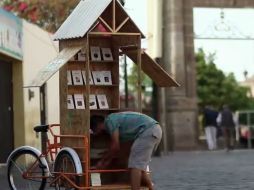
x=91 y=40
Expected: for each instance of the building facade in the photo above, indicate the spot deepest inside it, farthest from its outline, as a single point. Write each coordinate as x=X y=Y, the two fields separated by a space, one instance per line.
x=171 y=40
x=24 y=49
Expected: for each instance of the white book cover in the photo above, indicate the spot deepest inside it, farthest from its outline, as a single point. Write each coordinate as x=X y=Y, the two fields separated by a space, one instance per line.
x=70 y=103
x=82 y=55
x=107 y=54
x=96 y=179
x=95 y=53
x=79 y=101
x=77 y=77
x=106 y=77
x=97 y=77
x=92 y=102
x=90 y=77
x=69 y=80
x=102 y=101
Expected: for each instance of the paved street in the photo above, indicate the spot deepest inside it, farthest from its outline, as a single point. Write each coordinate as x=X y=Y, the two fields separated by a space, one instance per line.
x=200 y=170
x=216 y=170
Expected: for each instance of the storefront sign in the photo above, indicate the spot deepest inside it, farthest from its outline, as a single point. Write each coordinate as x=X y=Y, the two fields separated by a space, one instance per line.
x=10 y=35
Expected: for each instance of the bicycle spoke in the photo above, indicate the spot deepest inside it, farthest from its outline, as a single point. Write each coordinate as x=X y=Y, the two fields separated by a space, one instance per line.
x=24 y=171
x=19 y=168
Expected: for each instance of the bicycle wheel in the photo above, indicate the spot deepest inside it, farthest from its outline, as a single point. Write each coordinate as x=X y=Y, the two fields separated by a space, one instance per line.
x=25 y=171
x=64 y=164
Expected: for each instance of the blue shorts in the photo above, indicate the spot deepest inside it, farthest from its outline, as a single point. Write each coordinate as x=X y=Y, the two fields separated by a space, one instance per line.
x=143 y=148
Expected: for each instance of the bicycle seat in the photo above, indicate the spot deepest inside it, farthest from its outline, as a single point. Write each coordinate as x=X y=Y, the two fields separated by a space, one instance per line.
x=41 y=128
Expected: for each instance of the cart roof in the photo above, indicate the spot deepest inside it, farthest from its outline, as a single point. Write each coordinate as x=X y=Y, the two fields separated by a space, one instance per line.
x=88 y=12
x=54 y=65
x=153 y=70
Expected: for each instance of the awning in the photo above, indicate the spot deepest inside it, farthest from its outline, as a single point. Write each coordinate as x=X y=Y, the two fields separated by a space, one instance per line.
x=153 y=69
x=49 y=70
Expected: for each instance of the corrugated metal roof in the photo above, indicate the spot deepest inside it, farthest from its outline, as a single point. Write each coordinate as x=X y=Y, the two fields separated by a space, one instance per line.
x=53 y=66
x=81 y=19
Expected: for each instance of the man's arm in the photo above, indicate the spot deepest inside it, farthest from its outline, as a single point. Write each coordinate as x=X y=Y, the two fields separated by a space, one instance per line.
x=113 y=149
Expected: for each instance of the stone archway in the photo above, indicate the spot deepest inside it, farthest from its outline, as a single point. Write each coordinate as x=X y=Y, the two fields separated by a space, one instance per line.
x=178 y=59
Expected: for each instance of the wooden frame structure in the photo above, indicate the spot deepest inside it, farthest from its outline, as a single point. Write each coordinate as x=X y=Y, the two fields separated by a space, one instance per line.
x=105 y=24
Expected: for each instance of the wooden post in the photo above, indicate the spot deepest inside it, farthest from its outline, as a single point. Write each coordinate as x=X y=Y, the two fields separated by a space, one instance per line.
x=139 y=74
x=114 y=16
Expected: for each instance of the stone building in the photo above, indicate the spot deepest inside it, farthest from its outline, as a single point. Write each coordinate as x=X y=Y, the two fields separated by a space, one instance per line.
x=170 y=33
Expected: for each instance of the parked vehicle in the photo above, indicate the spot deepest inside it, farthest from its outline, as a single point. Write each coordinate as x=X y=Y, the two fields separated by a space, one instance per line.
x=245 y=128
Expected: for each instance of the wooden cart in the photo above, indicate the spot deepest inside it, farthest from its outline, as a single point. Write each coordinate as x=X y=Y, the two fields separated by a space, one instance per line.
x=91 y=40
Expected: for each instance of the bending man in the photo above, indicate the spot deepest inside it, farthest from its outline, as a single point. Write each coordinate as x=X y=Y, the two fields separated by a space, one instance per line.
x=130 y=126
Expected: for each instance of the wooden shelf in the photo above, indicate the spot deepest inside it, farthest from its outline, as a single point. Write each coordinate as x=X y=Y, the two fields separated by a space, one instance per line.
x=93 y=86
x=91 y=61
x=115 y=186
x=109 y=109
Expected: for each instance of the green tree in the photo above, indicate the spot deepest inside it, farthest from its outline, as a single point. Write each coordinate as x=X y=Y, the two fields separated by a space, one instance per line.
x=133 y=78
x=215 y=88
x=47 y=14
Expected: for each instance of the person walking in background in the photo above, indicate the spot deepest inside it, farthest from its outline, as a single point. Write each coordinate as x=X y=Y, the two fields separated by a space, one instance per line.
x=226 y=120
x=210 y=124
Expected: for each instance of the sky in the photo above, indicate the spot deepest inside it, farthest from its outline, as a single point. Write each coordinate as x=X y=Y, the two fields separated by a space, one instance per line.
x=231 y=55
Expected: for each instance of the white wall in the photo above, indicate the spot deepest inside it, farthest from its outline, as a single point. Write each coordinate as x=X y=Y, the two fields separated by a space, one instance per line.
x=154 y=28
x=38 y=50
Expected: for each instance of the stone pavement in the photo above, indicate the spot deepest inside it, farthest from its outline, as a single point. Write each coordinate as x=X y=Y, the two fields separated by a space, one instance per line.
x=200 y=170
x=203 y=170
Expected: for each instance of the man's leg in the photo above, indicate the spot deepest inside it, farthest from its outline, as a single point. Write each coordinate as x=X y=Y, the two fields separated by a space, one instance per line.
x=214 y=137
x=226 y=138
x=209 y=137
x=147 y=180
x=232 y=138
x=141 y=152
x=135 y=178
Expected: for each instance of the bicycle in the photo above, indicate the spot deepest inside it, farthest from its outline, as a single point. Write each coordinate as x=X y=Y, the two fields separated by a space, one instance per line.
x=30 y=168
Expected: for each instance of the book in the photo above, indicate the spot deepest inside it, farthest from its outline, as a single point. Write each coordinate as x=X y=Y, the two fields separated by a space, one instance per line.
x=82 y=55
x=96 y=179
x=79 y=101
x=107 y=54
x=70 y=103
x=106 y=77
x=77 y=77
x=95 y=53
x=90 y=77
x=69 y=80
x=97 y=77
x=102 y=101
x=92 y=102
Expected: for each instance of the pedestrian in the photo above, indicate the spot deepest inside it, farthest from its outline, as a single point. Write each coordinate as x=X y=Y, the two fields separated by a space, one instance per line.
x=226 y=120
x=145 y=133
x=210 y=125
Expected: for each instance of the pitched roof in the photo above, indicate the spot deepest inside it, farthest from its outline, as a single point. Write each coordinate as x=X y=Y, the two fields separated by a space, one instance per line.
x=83 y=18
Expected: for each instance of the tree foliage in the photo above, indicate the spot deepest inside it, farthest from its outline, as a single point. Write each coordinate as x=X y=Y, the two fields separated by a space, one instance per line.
x=215 y=88
x=133 y=78
x=47 y=14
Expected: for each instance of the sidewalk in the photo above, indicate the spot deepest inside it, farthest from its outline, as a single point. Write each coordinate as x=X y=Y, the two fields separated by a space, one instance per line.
x=204 y=170
x=3 y=178
x=196 y=170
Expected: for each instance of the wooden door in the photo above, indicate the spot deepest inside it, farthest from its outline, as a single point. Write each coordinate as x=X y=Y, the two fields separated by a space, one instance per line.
x=6 y=113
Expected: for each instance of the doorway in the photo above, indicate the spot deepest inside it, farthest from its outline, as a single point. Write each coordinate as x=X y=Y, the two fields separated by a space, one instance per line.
x=6 y=111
